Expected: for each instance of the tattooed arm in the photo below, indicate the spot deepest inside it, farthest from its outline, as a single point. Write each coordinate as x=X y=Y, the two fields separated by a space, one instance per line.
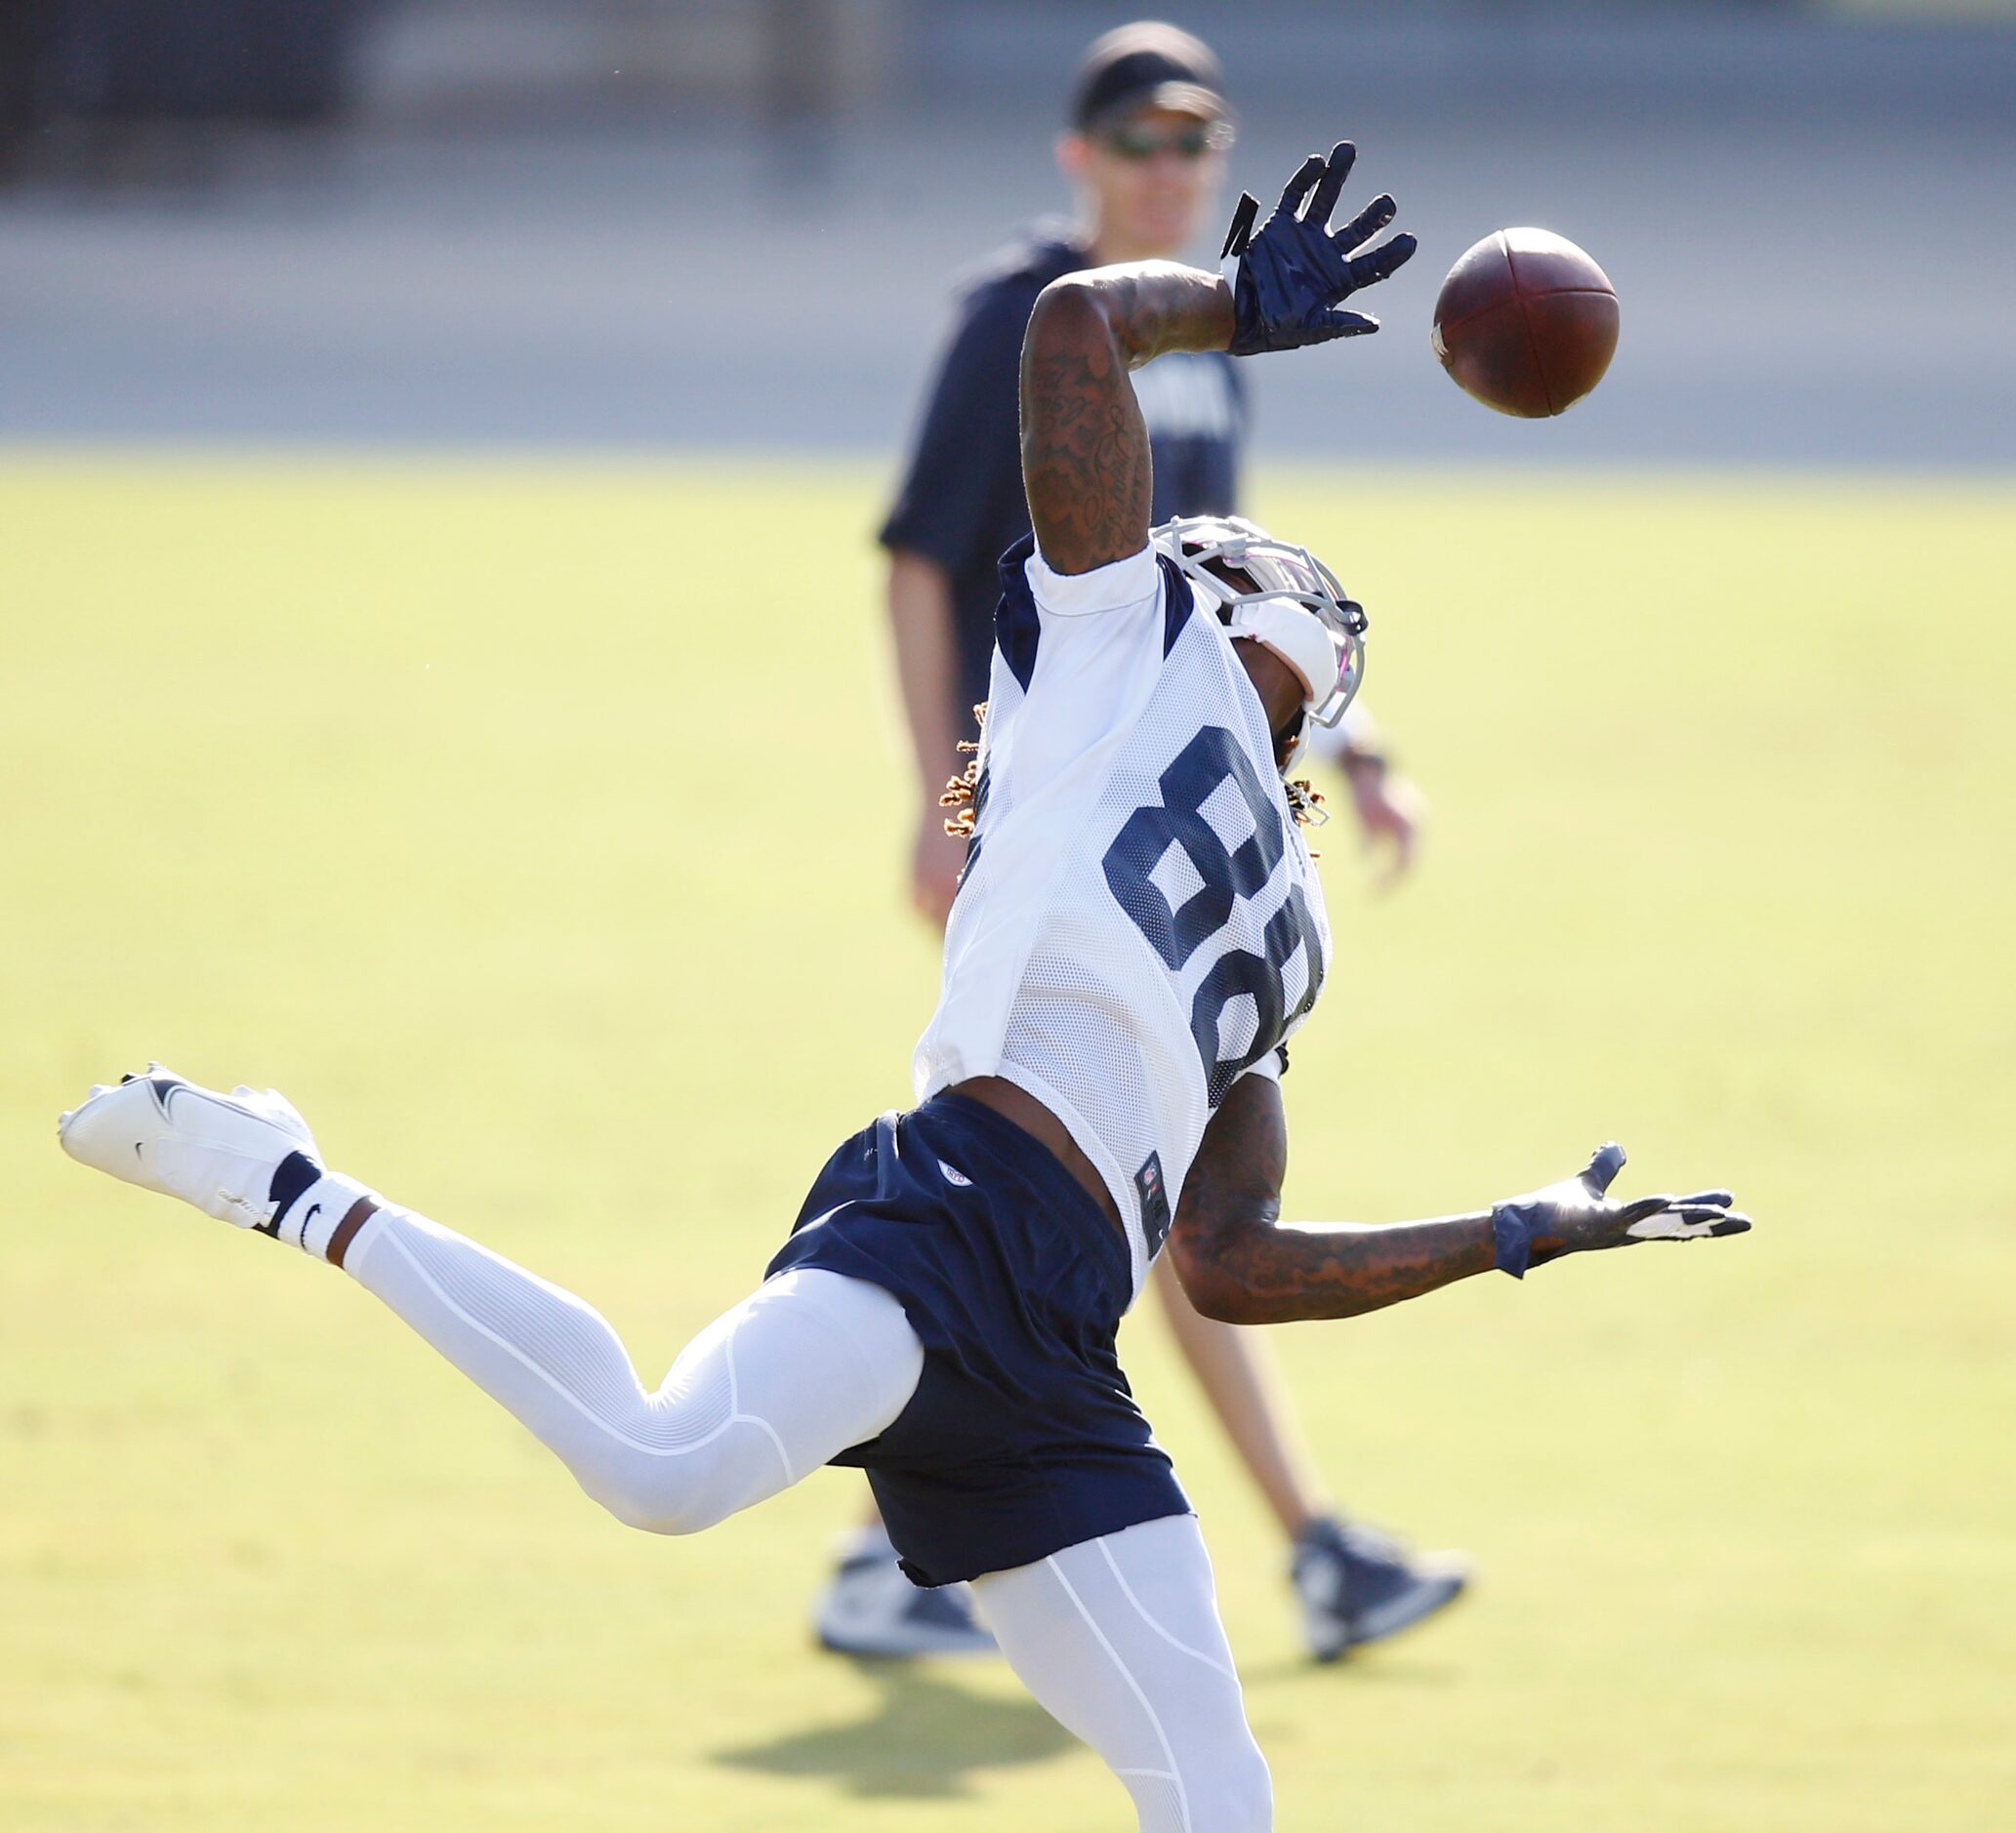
x=1084 y=452
x=1241 y=1263
x=1085 y=449
x=1083 y=444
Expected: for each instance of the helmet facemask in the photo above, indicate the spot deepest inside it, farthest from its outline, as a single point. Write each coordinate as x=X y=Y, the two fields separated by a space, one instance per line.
x=1296 y=608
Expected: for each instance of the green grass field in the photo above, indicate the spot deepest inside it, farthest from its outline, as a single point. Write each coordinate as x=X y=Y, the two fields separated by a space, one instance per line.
x=460 y=801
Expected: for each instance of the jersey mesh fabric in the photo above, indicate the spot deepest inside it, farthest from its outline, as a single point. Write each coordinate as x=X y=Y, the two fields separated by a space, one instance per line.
x=1138 y=894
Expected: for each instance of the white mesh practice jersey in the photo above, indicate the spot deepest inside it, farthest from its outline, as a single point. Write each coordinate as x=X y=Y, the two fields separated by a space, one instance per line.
x=1138 y=923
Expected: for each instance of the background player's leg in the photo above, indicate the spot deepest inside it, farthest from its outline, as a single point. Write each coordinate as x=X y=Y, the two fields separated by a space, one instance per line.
x=1118 y=1638
x=806 y=1366
x=869 y=1610
x=1243 y=1383
x=1354 y=1583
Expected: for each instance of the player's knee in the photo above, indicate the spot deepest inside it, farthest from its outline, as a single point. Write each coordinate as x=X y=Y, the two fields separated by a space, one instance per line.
x=660 y=1515
x=666 y=1499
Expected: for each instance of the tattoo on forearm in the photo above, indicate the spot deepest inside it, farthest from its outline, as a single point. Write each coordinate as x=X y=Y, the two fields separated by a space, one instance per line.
x=1319 y=1270
x=1085 y=459
x=1084 y=447
x=1243 y=1262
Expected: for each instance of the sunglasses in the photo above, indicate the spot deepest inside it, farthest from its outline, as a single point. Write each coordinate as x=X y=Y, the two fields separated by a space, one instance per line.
x=1134 y=142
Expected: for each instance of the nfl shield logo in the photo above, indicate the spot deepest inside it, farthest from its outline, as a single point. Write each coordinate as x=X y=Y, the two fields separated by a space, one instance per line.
x=1154 y=1197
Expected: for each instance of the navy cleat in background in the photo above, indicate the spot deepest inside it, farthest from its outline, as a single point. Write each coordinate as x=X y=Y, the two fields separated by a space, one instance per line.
x=1358 y=1585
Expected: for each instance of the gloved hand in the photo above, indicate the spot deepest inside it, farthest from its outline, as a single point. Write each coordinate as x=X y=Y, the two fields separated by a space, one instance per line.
x=1575 y=1216
x=1290 y=278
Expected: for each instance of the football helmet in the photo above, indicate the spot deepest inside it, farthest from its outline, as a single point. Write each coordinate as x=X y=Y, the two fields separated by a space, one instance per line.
x=1296 y=608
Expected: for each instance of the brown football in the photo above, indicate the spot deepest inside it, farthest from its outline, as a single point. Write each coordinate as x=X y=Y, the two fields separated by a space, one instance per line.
x=1526 y=322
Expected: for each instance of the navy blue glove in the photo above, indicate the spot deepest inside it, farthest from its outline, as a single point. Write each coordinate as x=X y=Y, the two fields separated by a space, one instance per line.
x=1294 y=274
x=1577 y=1215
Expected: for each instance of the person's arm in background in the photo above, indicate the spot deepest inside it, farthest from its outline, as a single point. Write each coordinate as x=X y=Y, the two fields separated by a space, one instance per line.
x=966 y=459
x=921 y=621
x=1387 y=805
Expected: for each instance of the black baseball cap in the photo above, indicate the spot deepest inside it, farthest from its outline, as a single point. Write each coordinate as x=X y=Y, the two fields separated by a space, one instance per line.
x=1148 y=65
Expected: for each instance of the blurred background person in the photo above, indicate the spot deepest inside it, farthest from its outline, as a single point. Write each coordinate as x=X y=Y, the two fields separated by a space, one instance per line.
x=1146 y=149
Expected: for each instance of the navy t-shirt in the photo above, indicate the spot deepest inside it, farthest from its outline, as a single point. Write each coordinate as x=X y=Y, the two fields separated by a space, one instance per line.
x=961 y=503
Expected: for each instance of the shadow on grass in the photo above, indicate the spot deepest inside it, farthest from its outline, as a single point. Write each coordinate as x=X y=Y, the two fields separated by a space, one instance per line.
x=922 y=1741
x=1382 y=1672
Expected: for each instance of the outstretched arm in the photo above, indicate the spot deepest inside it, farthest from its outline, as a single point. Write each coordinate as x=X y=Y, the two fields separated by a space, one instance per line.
x=1240 y=1262
x=1085 y=451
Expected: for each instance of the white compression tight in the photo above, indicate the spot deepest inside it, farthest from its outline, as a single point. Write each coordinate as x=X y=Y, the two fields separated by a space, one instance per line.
x=1118 y=1637
x=806 y=1366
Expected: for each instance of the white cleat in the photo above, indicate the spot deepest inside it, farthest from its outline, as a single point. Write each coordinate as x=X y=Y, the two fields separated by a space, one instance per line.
x=870 y=1612
x=166 y=1134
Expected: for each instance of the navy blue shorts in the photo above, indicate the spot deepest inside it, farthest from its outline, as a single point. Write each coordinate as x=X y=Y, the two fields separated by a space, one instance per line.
x=1022 y=1437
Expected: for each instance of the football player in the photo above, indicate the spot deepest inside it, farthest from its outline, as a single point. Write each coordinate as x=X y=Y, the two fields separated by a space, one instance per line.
x=1149 y=126
x=1137 y=933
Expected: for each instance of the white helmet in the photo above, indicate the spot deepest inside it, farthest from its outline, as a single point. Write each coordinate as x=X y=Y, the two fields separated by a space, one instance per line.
x=1298 y=610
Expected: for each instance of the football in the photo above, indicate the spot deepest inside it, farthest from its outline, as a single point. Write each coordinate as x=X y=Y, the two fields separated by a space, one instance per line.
x=1526 y=322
